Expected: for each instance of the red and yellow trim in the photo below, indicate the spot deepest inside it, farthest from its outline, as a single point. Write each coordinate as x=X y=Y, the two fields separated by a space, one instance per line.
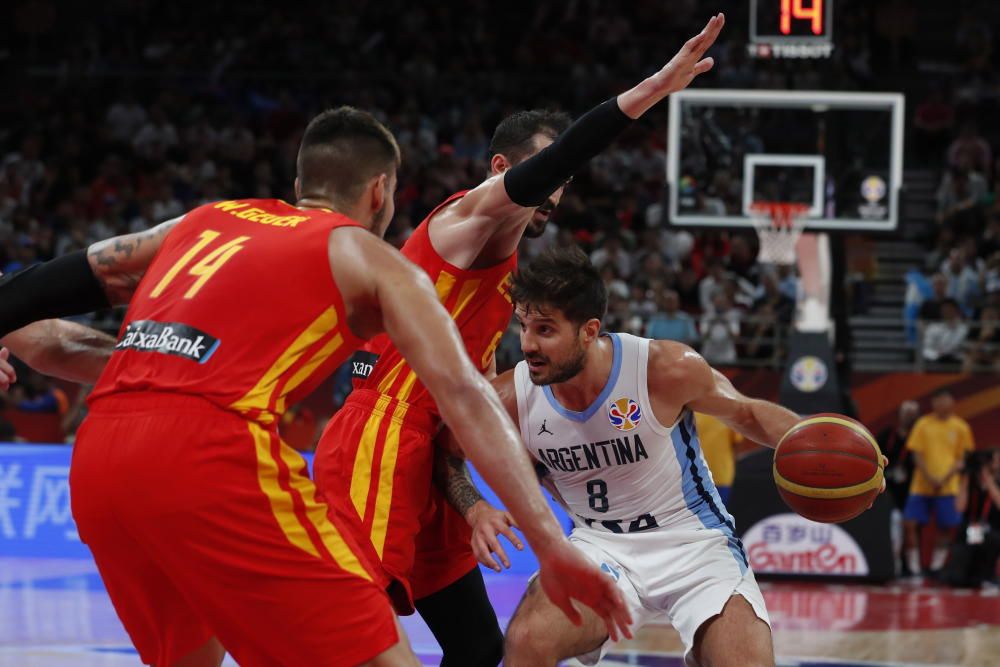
x=292 y=496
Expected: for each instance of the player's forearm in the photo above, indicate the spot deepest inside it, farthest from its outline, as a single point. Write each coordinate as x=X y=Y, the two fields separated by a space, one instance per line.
x=452 y=477
x=639 y=99
x=766 y=422
x=531 y=182
x=61 y=287
x=493 y=445
x=61 y=349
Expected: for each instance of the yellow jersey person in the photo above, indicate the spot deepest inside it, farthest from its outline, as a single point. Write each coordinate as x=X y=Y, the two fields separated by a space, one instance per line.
x=939 y=442
x=718 y=444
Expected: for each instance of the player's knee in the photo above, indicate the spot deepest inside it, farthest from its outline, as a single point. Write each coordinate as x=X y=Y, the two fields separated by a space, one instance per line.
x=523 y=641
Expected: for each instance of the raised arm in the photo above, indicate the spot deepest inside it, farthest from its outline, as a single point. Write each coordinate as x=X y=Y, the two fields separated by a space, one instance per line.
x=427 y=337
x=62 y=349
x=104 y=275
x=497 y=205
x=675 y=367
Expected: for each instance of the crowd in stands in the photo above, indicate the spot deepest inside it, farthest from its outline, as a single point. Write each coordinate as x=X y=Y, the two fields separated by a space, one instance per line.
x=117 y=120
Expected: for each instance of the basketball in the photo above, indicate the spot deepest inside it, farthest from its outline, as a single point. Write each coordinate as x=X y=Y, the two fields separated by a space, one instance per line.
x=828 y=468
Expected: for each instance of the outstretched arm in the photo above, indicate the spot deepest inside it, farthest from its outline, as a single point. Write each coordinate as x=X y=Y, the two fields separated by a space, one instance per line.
x=497 y=205
x=427 y=337
x=62 y=349
x=81 y=282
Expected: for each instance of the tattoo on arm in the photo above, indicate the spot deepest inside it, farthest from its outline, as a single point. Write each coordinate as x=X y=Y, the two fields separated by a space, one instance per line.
x=452 y=477
x=120 y=263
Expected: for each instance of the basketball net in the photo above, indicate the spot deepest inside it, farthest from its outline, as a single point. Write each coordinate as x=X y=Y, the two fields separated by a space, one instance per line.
x=779 y=226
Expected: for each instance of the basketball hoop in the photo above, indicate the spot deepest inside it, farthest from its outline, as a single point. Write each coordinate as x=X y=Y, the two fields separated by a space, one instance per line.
x=779 y=226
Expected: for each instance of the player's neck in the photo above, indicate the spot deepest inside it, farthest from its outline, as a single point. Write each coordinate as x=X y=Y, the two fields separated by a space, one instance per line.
x=579 y=392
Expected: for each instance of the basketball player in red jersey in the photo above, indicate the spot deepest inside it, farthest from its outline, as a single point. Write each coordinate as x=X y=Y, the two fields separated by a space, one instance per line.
x=203 y=523
x=376 y=454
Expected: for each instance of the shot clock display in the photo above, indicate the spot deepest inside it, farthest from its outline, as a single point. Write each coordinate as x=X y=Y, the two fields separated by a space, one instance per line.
x=791 y=28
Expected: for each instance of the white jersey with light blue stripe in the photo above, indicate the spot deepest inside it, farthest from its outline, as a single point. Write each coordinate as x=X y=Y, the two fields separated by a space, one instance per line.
x=617 y=468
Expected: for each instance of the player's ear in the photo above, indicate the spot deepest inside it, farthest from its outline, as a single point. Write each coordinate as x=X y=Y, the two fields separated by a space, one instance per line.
x=591 y=329
x=499 y=164
x=298 y=189
x=377 y=189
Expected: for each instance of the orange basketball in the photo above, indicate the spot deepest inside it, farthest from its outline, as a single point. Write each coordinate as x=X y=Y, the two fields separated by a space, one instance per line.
x=828 y=468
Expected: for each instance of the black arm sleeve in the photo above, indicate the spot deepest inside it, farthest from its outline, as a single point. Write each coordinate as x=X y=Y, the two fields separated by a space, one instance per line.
x=63 y=286
x=531 y=182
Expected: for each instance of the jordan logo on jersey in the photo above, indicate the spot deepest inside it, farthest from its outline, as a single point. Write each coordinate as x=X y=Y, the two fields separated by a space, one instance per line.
x=624 y=414
x=544 y=428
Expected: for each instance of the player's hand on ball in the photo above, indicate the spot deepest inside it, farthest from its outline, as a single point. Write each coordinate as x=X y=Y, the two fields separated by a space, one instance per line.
x=488 y=523
x=688 y=63
x=7 y=374
x=567 y=575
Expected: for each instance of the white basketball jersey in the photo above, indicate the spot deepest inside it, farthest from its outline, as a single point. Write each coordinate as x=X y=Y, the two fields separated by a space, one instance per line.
x=617 y=468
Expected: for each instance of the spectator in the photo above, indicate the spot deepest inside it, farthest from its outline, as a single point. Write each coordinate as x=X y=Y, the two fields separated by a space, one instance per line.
x=970 y=149
x=899 y=472
x=960 y=199
x=984 y=349
x=38 y=393
x=711 y=283
x=962 y=276
x=718 y=443
x=670 y=322
x=612 y=253
x=930 y=309
x=720 y=327
x=944 y=340
x=973 y=560
x=939 y=442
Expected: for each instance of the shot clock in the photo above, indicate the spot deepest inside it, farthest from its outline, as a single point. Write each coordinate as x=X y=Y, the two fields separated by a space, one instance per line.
x=791 y=28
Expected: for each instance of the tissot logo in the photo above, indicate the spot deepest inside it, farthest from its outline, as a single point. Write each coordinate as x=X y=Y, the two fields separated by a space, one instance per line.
x=168 y=338
x=362 y=364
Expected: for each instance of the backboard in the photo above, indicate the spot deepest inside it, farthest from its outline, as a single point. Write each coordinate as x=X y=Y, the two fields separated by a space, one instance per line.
x=839 y=153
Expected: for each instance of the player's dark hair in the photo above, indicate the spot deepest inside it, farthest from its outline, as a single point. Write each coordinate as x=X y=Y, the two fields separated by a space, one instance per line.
x=513 y=136
x=941 y=392
x=342 y=149
x=562 y=278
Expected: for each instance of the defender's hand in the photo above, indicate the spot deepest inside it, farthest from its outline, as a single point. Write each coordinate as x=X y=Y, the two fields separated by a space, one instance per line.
x=688 y=63
x=488 y=523
x=7 y=374
x=567 y=575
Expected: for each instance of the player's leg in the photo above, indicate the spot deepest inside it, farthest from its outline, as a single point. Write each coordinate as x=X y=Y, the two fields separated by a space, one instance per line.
x=399 y=655
x=376 y=465
x=210 y=654
x=540 y=635
x=277 y=581
x=946 y=518
x=915 y=514
x=735 y=638
x=446 y=577
x=471 y=638
x=164 y=628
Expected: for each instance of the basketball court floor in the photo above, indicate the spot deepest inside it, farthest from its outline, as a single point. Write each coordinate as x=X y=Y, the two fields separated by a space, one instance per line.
x=55 y=613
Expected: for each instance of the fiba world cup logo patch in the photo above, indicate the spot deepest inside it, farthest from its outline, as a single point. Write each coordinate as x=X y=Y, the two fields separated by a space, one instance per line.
x=808 y=374
x=624 y=414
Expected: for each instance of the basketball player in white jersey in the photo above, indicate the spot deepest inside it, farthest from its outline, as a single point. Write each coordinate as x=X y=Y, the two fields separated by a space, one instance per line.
x=609 y=420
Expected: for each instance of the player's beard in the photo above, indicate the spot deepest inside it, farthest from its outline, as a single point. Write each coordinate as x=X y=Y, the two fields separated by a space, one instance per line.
x=539 y=220
x=563 y=371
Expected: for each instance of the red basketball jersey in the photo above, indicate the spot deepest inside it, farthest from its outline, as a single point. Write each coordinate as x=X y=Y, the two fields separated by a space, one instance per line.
x=238 y=307
x=478 y=300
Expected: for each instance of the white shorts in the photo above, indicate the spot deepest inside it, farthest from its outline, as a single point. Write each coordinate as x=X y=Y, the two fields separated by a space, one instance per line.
x=681 y=577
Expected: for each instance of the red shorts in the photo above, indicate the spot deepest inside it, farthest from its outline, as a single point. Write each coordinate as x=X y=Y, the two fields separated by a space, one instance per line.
x=375 y=458
x=204 y=524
